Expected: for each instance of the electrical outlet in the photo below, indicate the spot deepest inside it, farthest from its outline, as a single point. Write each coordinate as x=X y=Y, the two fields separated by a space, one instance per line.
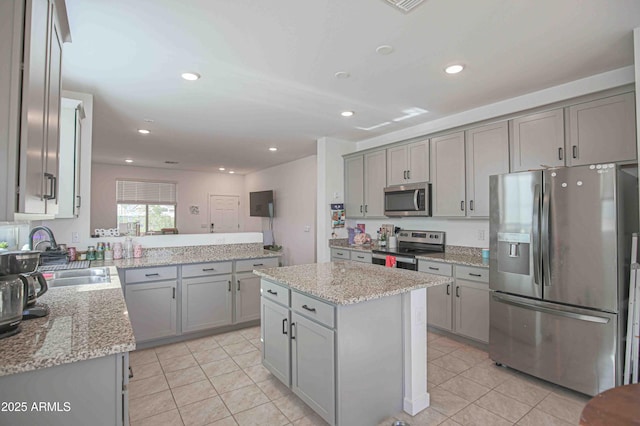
x=75 y=237
x=307 y=228
x=480 y=234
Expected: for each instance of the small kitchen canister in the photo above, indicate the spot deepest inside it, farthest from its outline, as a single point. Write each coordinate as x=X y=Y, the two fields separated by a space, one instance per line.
x=137 y=251
x=71 y=252
x=117 y=251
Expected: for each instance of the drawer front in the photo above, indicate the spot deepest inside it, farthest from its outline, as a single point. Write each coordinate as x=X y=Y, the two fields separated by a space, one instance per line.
x=150 y=274
x=275 y=292
x=249 y=265
x=472 y=274
x=313 y=308
x=359 y=256
x=435 y=268
x=341 y=254
x=203 y=269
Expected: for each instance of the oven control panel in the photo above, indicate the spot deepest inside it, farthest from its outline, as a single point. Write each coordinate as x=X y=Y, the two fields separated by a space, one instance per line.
x=430 y=237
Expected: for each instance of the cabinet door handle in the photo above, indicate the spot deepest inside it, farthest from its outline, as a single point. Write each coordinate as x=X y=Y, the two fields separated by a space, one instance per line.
x=360 y=257
x=174 y=292
x=448 y=289
x=475 y=275
x=434 y=268
x=575 y=151
x=208 y=269
x=408 y=174
x=52 y=187
x=229 y=285
x=339 y=253
x=238 y=285
x=457 y=291
x=151 y=275
x=130 y=372
x=79 y=201
x=308 y=308
x=405 y=174
x=360 y=208
x=366 y=208
x=284 y=326
x=258 y=264
x=560 y=156
x=293 y=324
x=462 y=205
x=471 y=205
x=275 y=293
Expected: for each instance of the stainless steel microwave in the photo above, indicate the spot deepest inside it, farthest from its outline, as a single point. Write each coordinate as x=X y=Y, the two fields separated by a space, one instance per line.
x=408 y=200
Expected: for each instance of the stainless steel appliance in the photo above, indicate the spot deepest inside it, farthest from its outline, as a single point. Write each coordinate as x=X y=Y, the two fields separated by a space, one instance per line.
x=559 y=265
x=12 y=301
x=408 y=200
x=410 y=245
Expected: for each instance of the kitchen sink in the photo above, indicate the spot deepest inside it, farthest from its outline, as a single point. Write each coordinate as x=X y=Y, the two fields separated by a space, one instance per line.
x=79 y=276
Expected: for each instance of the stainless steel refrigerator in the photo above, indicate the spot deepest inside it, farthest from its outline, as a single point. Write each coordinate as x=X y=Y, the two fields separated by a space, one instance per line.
x=559 y=270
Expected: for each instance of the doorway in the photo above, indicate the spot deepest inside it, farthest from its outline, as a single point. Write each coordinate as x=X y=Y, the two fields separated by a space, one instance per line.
x=224 y=213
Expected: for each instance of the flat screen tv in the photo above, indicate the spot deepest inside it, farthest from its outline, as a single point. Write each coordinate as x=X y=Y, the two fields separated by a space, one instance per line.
x=259 y=203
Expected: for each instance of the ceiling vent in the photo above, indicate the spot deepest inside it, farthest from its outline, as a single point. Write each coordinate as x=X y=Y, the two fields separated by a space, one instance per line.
x=405 y=5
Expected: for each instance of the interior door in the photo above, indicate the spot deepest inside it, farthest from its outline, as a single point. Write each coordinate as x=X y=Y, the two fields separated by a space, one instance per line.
x=223 y=213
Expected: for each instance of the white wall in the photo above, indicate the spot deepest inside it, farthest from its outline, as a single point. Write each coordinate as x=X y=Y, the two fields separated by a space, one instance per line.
x=294 y=186
x=193 y=188
x=330 y=190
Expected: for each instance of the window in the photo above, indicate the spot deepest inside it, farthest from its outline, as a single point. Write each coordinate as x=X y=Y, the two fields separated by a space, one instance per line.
x=152 y=204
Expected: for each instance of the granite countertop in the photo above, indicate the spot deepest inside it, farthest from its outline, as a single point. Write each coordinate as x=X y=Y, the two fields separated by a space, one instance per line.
x=168 y=258
x=460 y=255
x=85 y=321
x=346 y=283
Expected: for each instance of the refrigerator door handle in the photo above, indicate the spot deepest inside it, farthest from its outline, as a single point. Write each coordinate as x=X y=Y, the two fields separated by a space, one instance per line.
x=582 y=317
x=546 y=258
x=536 y=236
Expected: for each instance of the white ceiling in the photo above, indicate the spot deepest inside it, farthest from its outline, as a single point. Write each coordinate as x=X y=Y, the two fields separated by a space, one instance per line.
x=268 y=69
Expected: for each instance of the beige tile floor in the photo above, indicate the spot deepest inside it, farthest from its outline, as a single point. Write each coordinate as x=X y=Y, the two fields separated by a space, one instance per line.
x=219 y=380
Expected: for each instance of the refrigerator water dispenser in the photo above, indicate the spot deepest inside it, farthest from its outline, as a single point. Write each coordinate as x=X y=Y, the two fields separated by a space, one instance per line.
x=513 y=253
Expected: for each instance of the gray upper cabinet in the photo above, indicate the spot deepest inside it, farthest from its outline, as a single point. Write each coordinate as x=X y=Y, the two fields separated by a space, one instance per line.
x=537 y=141
x=487 y=153
x=365 y=179
x=448 y=175
x=41 y=88
x=408 y=163
x=602 y=131
x=71 y=115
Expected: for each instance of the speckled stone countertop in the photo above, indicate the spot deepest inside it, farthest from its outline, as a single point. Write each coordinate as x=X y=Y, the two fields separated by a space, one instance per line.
x=346 y=283
x=460 y=255
x=196 y=254
x=85 y=321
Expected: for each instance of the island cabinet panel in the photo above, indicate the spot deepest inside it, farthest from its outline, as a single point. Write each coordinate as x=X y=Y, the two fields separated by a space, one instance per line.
x=439 y=303
x=274 y=329
x=152 y=309
x=90 y=392
x=344 y=361
x=313 y=365
x=206 y=302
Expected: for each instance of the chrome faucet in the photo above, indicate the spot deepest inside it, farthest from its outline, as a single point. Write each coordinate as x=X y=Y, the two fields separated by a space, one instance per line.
x=48 y=231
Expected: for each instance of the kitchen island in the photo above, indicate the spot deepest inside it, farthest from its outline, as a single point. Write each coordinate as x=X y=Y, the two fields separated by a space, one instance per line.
x=348 y=338
x=70 y=367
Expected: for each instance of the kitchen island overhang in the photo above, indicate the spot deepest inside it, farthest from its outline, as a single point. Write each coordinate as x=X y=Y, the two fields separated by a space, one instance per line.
x=374 y=320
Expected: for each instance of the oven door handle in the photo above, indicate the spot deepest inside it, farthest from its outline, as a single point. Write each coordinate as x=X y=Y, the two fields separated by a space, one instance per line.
x=399 y=259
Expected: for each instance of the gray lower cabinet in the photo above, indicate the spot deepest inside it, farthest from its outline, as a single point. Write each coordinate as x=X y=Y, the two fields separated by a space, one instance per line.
x=275 y=339
x=247 y=297
x=206 y=302
x=152 y=309
x=345 y=362
x=340 y=254
x=313 y=365
x=91 y=392
x=463 y=307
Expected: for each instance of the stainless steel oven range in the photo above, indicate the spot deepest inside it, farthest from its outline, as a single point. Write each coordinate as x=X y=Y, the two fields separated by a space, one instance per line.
x=410 y=245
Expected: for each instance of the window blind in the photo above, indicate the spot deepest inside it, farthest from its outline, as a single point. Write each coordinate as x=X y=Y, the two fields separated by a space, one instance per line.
x=134 y=192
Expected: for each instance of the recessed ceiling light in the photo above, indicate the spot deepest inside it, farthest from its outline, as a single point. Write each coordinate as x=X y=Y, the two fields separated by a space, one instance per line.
x=128 y=161
x=222 y=169
x=273 y=149
x=342 y=75
x=231 y=172
x=454 y=69
x=346 y=113
x=144 y=131
x=190 y=76
x=384 y=49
